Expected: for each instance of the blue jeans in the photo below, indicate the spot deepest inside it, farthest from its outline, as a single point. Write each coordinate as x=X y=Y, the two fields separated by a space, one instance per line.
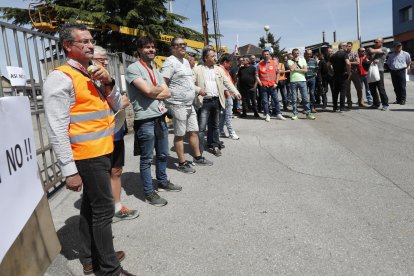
x=301 y=85
x=225 y=116
x=265 y=92
x=96 y=212
x=310 y=84
x=364 y=82
x=209 y=111
x=283 y=88
x=152 y=133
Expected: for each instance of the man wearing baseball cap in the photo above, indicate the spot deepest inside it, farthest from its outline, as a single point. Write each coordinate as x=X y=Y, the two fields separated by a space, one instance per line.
x=399 y=62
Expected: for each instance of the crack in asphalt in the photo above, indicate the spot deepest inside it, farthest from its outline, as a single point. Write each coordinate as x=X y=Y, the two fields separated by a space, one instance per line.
x=297 y=171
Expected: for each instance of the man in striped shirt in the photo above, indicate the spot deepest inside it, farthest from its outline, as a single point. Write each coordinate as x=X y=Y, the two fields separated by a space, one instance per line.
x=311 y=78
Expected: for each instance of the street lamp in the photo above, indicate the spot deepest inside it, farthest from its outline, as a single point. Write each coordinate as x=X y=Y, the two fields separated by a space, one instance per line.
x=267 y=28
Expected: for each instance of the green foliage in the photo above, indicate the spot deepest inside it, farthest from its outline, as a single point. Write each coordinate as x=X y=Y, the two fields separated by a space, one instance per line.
x=149 y=16
x=277 y=52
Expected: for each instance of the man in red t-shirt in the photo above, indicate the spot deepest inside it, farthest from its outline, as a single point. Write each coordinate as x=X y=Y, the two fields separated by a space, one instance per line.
x=363 y=68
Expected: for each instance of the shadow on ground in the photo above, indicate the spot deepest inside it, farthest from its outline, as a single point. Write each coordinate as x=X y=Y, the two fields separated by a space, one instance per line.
x=69 y=238
x=131 y=182
x=406 y=110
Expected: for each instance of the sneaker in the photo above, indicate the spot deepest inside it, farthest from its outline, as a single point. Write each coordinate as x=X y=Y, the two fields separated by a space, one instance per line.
x=223 y=134
x=280 y=117
x=384 y=108
x=313 y=110
x=215 y=151
x=124 y=214
x=234 y=136
x=154 y=199
x=267 y=118
x=309 y=116
x=202 y=162
x=294 y=117
x=185 y=168
x=169 y=187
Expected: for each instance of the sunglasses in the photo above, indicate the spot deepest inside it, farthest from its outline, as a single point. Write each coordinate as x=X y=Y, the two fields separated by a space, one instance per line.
x=180 y=44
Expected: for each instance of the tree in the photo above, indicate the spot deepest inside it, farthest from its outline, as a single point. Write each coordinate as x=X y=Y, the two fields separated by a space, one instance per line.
x=149 y=16
x=277 y=52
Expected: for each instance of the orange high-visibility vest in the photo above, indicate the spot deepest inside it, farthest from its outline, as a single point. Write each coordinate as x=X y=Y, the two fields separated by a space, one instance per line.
x=92 y=121
x=268 y=75
x=282 y=76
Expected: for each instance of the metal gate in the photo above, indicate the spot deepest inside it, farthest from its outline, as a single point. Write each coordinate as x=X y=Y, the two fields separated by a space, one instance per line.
x=37 y=54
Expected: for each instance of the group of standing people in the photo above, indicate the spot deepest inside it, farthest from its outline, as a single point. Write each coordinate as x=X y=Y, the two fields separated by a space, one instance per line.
x=311 y=77
x=81 y=99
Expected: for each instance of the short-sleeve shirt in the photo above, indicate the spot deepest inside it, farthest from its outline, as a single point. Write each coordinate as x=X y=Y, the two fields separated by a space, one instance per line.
x=297 y=76
x=381 y=58
x=181 y=82
x=338 y=61
x=312 y=68
x=247 y=77
x=144 y=107
x=398 y=61
x=352 y=58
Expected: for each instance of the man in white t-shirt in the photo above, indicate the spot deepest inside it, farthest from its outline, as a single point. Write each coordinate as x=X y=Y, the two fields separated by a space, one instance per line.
x=178 y=75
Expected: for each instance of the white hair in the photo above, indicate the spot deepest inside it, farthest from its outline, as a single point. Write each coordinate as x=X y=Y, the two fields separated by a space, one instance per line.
x=99 y=49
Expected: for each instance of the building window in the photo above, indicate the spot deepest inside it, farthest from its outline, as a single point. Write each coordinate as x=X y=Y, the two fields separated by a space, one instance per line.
x=406 y=14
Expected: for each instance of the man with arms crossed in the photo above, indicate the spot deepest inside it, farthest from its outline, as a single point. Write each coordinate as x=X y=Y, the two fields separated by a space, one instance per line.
x=147 y=91
x=298 y=68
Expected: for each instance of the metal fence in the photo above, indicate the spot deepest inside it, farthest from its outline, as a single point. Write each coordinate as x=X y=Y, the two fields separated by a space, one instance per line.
x=38 y=54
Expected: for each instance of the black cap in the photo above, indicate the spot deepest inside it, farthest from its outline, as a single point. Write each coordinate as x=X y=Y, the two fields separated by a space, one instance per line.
x=397 y=43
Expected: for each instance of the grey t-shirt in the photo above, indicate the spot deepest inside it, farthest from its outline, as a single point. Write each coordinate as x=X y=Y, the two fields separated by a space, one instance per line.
x=181 y=80
x=381 y=58
x=144 y=107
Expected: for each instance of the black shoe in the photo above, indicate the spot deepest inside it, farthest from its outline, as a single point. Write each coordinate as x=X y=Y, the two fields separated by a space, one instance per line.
x=89 y=268
x=402 y=102
x=125 y=273
x=169 y=187
x=256 y=115
x=215 y=151
x=244 y=115
x=374 y=107
x=154 y=199
x=396 y=102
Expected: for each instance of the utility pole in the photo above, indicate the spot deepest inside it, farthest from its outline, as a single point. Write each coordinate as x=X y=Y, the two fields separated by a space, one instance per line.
x=358 y=24
x=204 y=21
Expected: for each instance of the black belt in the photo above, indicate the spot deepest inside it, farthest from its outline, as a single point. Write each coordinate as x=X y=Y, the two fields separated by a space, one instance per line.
x=210 y=98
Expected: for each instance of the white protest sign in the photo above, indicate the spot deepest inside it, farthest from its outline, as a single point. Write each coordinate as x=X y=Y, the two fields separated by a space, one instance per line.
x=17 y=76
x=20 y=186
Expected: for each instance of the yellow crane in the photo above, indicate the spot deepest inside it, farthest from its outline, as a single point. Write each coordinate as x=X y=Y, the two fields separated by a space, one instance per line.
x=42 y=17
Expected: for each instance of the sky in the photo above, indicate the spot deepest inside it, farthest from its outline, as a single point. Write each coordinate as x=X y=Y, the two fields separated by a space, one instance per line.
x=299 y=23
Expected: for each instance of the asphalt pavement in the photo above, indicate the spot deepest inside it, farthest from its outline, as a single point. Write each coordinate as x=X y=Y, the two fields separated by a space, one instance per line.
x=334 y=196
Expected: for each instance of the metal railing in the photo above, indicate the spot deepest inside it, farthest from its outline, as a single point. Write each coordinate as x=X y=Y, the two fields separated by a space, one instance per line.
x=39 y=54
